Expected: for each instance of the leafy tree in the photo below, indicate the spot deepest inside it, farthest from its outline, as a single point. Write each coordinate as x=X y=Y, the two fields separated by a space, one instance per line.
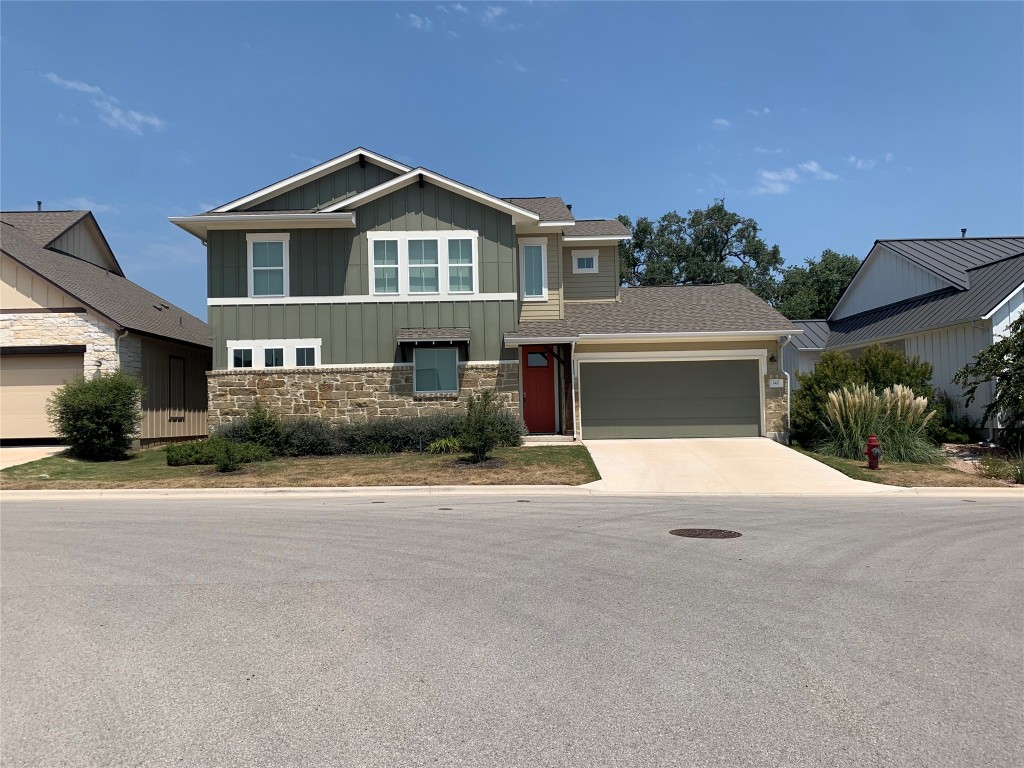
x=812 y=291
x=99 y=417
x=480 y=433
x=1003 y=364
x=711 y=245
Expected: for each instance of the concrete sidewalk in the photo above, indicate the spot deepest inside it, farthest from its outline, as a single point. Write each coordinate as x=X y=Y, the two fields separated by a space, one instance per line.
x=13 y=455
x=739 y=465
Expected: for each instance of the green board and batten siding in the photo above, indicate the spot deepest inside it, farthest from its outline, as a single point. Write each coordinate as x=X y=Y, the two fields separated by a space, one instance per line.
x=343 y=183
x=336 y=263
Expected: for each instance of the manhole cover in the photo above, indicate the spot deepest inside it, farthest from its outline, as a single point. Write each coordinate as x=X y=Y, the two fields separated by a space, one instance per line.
x=705 y=533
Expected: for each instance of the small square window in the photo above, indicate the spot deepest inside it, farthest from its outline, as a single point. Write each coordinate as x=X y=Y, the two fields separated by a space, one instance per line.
x=305 y=357
x=536 y=360
x=241 y=358
x=436 y=371
x=584 y=262
x=273 y=357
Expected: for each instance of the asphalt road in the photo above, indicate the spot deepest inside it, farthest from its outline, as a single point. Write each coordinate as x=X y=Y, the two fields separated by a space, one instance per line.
x=477 y=631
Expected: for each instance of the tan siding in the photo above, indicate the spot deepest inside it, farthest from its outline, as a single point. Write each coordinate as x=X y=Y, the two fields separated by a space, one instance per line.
x=552 y=308
x=157 y=416
x=589 y=287
x=21 y=289
x=84 y=241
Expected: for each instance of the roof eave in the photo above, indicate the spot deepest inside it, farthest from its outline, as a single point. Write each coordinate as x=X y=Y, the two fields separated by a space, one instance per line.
x=201 y=225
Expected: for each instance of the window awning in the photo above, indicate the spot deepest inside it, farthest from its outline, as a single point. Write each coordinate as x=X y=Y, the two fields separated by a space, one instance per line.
x=432 y=335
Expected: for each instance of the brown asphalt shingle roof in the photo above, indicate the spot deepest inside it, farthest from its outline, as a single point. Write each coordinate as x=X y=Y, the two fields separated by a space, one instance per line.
x=129 y=305
x=597 y=228
x=548 y=208
x=668 y=309
x=43 y=226
x=433 y=334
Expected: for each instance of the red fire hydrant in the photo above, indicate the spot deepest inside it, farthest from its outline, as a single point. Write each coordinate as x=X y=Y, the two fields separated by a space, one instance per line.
x=874 y=452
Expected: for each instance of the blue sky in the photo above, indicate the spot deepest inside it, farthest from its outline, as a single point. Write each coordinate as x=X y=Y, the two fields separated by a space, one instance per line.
x=831 y=124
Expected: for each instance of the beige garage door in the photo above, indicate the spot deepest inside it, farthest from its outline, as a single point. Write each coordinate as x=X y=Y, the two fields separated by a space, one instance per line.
x=26 y=382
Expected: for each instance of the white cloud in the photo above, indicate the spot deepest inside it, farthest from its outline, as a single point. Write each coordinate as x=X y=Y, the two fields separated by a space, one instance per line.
x=720 y=122
x=107 y=106
x=776 y=182
x=68 y=119
x=518 y=67
x=889 y=157
x=762 y=111
x=422 y=23
x=452 y=33
x=817 y=171
x=460 y=8
x=85 y=204
x=860 y=163
x=764 y=151
x=492 y=13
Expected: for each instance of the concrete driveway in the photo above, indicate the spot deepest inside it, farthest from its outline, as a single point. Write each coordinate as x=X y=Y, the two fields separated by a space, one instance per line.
x=716 y=465
x=13 y=455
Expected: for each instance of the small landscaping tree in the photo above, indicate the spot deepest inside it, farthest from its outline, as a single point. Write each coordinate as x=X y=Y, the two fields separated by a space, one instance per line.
x=480 y=433
x=1003 y=364
x=99 y=417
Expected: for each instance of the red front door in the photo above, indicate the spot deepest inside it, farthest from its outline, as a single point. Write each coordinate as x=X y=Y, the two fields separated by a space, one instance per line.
x=538 y=367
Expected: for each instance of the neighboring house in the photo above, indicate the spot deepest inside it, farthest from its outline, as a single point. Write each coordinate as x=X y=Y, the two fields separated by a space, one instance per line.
x=943 y=300
x=363 y=287
x=67 y=310
x=803 y=351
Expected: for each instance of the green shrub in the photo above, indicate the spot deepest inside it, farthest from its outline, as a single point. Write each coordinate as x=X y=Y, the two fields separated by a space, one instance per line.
x=260 y=425
x=99 y=417
x=1010 y=469
x=229 y=458
x=444 y=445
x=480 y=433
x=951 y=424
x=212 y=450
x=896 y=416
x=309 y=437
x=877 y=366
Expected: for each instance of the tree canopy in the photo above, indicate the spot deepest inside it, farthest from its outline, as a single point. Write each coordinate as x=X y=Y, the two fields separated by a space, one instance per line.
x=812 y=291
x=711 y=245
x=1003 y=364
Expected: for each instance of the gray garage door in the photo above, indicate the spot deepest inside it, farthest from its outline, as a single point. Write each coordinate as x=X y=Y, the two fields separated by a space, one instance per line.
x=720 y=398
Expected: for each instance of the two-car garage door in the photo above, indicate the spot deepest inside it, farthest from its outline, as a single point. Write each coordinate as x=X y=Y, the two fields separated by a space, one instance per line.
x=26 y=383
x=708 y=398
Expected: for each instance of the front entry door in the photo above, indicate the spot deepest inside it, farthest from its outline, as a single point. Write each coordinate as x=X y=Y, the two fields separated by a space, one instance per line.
x=538 y=366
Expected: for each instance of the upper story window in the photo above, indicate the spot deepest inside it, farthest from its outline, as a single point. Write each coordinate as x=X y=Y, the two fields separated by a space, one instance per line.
x=268 y=264
x=424 y=263
x=584 y=262
x=533 y=268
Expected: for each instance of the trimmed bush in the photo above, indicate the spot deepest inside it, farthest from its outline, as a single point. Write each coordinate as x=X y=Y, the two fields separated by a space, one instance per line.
x=480 y=433
x=212 y=451
x=229 y=459
x=260 y=426
x=896 y=416
x=99 y=417
x=309 y=437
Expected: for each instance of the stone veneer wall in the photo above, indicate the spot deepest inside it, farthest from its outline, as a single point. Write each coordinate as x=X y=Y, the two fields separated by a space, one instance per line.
x=355 y=393
x=23 y=329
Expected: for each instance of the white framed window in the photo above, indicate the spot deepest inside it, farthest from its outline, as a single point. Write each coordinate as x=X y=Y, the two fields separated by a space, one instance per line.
x=273 y=353
x=385 y=266
x=584 y=262
x=435 y=371
x=533 y=268
x=267 y=257
x=438 y=263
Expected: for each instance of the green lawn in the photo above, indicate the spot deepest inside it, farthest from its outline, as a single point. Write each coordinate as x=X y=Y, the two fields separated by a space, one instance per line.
x=541 y=465
x=906 y=475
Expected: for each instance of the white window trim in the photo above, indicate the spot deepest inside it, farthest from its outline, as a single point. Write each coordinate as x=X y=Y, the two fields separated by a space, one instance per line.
x=588 y=254
x=266 y=237
x=260 y=346
x=543 y=243
x=442 y=237
x=374 y=266
x=415 y=388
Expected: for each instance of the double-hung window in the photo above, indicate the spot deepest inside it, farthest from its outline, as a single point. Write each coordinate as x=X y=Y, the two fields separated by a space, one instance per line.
x=385 y=266
x=533 y=258
x=460 y=266
x=435 y=370
x=268 y=264
x=423 y=266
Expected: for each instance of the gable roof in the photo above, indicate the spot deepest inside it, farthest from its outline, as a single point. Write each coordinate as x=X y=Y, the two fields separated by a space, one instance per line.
x=951 y=258
x=45 y=227
x=989 y=283
x=712 y=310
x=121 y=301
x=311 y=174
x=814 y=336
x=548 y=208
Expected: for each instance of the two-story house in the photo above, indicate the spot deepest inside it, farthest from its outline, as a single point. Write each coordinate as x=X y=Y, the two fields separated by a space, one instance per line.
x=363 y=287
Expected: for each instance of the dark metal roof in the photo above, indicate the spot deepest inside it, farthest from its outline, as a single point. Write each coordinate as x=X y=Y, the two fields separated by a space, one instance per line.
x=989 y=286
x=125 y=303
x=432 y=334
x=951 y=258
x=597 y=228
x=814 y=336
x=548 y=208
x=669 y=309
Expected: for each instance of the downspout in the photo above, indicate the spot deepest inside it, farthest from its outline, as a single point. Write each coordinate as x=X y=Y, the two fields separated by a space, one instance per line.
x=789 y=389
x=572 y=370
x=117 y=347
